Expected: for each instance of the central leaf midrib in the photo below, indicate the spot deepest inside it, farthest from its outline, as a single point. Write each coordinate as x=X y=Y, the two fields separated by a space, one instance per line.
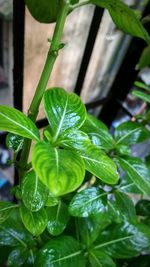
x=61 y=121
x=113 y=241
x=68 y=256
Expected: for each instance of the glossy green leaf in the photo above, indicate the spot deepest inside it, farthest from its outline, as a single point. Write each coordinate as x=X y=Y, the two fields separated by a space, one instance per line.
x=17 y=257
x=35 y=222
x=51 y=200
x=100 y=259
x=90 y=227
x=129 y=133
x=5 y=210
x=145 y=97
x=138 y=173
x=143 y=207
x=126 y=206
x=98 y=132
x=13 y=233
x=99 y=164
x=142 y=86
x=58 y=217
x=63 y=110
x=124 y=18
x=124 y=240
x=128 y=186
x=88 y=202
x=14 y=121
x=44 y=11
x=75 y=139
x=14 y=142
x=145 y=58
x=62 y=171
x=34 y=193
x=63 y=251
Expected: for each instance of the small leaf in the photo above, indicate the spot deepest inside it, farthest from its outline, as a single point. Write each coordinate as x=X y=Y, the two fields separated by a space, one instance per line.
x=51 y=200
x=126 y=206
x=145 y=97
x=143 y=207
x=100 y=259
x=58 y=217
x=14 y=121
x=62 y=171
x=145 y=58
x=17 y=257
x=99 y=164
x=98 y=132
x=124 y=18
x=34 y=193
x=5 y=210
x=129 y=133
x=88 y=202
x=63 y=251
x=142 y=86
x=63 y=115
x=138 y=173
x=35 y=222
x=13 y=233
x=14 y=142
x=124 y=240
x=43 y=11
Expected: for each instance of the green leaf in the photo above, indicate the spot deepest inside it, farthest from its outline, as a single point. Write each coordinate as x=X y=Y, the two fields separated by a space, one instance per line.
x=63 y=110
x=5 y=210
x=98 y=132
x=44 y=11
x=13 y=233
x=17 y=257
x=75 y=139
x=138 y=173
x=124 y=18
x=35 y=222
x=58 y=217
x=14 y=121
x=63 y=251
x=124 y=240
x=145 y=97
x=142 y=86
x=88 y=202
x=145 y=58
x=129 y=133
x=100 y=259
x=99 y=164
x=52 y=200
x=14 y=142
x=34 y=193
x=126 y=206
x=143 y=207
x=62 y=171
x=128 y=186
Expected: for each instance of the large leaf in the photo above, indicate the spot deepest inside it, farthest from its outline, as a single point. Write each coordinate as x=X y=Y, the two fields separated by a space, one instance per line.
x=98 y=132
x=129 y=133
x=88 y=202
x=63 y=251
x=35 y=222
x=124 y=18
x=14 y=121
x=145 y=97
x=62 y=171
x=58 y=217
x=99 y=164
x=34 y=193
x=100 y=259
x=44 y=11
x=126 y=206
x=63 y=110
x=13 y=233
x=138 y=172
x=124 y=240
x=5 y=210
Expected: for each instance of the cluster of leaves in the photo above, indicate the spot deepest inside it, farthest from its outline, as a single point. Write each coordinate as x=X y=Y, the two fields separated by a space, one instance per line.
x=73 y=204
x=65 y=213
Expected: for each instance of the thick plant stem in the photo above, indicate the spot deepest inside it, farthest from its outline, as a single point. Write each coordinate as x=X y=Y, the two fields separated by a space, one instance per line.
x=51 y=58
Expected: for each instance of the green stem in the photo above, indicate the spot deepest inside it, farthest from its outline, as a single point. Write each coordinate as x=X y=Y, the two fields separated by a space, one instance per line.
x=86 y=2
x=48 y=67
